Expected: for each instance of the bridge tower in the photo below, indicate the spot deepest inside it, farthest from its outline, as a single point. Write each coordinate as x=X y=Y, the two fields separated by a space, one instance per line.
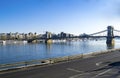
x=110 y=35
x=48 y=37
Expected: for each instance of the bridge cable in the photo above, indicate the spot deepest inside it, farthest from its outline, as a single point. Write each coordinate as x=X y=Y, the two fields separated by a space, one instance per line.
x=98 y=32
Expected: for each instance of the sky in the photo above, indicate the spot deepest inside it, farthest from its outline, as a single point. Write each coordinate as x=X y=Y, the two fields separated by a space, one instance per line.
x=70 y=16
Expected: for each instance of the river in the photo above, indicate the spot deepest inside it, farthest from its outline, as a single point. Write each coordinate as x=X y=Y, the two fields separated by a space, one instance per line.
x=11 y=53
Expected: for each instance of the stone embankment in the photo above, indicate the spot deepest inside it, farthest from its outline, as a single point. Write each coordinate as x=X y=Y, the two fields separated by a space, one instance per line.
x=52 y=60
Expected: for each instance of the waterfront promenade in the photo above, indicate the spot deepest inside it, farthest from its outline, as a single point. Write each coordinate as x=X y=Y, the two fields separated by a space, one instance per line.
x=100 y=66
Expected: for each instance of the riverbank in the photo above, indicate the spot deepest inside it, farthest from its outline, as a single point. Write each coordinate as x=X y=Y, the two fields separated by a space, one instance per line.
x=13 y=41
x=25 y=64
x=105 y=65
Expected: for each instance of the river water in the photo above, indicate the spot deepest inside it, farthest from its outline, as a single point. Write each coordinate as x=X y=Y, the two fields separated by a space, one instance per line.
x=10 y=53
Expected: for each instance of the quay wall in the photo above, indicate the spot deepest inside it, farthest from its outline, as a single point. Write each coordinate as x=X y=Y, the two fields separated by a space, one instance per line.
x=6 y=67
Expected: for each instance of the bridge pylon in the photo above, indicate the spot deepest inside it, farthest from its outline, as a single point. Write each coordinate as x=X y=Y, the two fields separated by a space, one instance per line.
x=48 y=37
x=110 y=35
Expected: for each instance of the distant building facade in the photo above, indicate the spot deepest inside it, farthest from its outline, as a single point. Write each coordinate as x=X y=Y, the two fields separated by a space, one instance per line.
x=30 y=35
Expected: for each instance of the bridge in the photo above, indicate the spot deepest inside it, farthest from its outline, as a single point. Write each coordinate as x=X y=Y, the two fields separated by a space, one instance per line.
x=109 y=34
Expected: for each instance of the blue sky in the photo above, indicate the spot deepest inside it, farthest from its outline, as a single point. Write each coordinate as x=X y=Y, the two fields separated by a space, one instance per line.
x=71 y=16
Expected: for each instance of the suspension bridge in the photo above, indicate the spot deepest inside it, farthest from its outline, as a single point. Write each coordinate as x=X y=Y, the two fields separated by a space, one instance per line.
x=110 y=33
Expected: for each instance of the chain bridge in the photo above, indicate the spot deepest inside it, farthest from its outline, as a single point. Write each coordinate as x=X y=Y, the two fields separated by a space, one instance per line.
x=109 y=33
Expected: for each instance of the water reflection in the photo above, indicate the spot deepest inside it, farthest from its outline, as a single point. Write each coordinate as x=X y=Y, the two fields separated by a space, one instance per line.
x=110 y=46
x=25 y=52
x=48 y=48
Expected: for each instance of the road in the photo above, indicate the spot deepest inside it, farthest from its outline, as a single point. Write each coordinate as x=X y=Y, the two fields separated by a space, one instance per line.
x=100 y=66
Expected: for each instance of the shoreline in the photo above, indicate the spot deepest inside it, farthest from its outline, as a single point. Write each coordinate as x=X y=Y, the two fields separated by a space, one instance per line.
x=34 y=63
x=12 y=41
